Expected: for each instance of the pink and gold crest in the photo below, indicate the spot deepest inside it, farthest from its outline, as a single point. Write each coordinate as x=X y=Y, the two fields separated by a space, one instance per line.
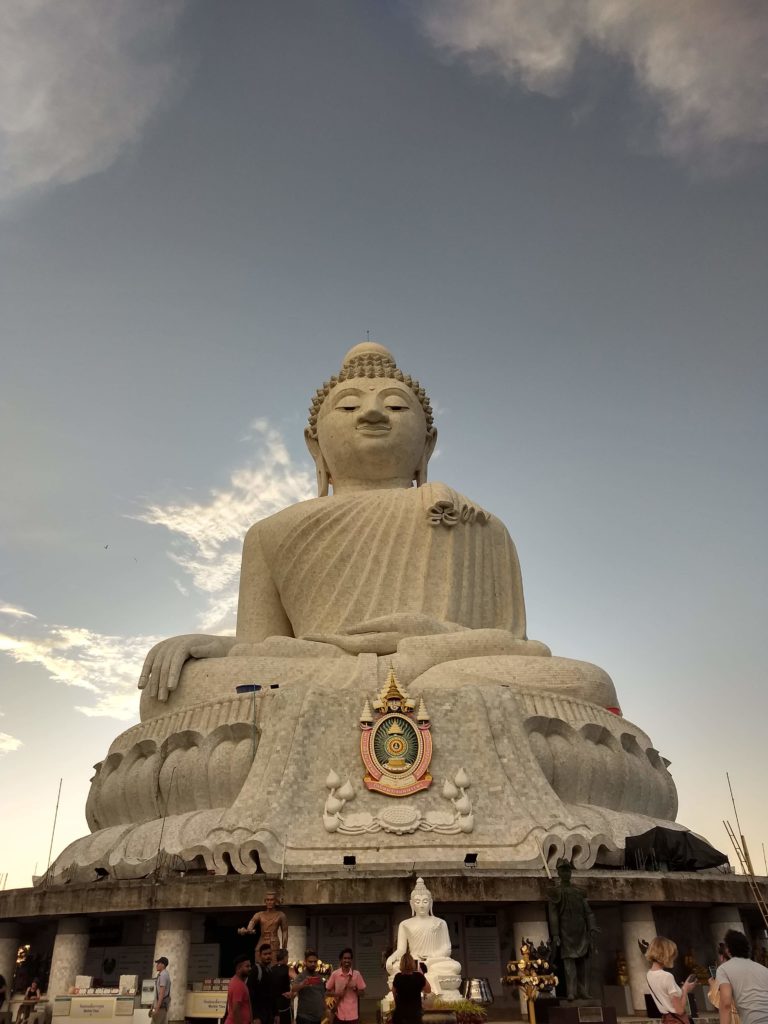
x=395 y=743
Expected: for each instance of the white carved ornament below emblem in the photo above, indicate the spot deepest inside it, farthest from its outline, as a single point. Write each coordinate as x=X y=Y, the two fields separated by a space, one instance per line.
x=401 y=818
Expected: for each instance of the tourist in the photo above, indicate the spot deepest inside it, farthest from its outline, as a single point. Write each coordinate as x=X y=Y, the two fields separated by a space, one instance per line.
x=259 y=986
x=713 y=995
x=309 y=990
x=670 y=998
x=31 y=996
x=346 y=984
x=269 y=925
x=280 y=985
x=408 y=986
x=159 y=1009
x=742 y=981
x=238 y=997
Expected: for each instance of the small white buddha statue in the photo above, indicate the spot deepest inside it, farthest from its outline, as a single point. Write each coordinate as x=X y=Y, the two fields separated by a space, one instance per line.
x=427 y=939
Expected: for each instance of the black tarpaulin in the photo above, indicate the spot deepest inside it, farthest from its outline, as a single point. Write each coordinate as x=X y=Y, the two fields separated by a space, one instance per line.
x=671 y=849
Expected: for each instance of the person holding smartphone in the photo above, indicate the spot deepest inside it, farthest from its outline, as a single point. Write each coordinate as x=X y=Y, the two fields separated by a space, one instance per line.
x=670 y=998
x=408 y=987
x=309 y=989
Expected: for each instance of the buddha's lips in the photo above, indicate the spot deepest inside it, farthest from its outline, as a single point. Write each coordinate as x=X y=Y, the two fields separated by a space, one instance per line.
x=369 y=429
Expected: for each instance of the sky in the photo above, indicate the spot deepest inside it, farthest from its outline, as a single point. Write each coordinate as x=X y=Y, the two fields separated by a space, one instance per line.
x=552 y=211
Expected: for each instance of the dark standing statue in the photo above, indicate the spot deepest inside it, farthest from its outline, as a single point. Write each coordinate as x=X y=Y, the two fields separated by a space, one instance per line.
x=573 y=929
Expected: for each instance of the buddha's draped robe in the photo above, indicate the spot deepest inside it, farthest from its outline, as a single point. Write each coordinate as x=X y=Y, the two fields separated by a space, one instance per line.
x=406 y=561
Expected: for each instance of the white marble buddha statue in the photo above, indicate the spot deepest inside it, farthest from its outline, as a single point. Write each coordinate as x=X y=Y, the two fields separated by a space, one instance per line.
x=382 y=570
x=428 y=940
x=387 y=564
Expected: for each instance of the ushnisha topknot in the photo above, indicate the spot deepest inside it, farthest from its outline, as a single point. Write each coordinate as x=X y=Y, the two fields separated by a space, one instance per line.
x=368 y=359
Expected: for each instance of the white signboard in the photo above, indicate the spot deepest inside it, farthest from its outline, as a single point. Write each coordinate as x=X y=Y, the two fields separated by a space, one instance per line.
x=206 y=1004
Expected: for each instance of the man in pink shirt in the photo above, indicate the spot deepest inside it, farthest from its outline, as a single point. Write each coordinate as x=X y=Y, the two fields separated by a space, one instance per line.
x=347 y=985
x=238 y=997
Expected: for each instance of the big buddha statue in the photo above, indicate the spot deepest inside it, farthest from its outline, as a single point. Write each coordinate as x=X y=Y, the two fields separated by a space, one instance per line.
x=384 y=579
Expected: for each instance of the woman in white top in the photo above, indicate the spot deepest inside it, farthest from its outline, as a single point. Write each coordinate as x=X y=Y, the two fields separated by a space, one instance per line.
x=669 y=997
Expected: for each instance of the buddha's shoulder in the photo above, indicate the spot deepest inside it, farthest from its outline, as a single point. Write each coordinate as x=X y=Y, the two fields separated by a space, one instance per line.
x=275 y=524
x=429 y=500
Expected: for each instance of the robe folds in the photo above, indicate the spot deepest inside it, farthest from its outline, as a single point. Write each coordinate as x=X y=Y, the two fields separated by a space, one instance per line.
x=411 y=561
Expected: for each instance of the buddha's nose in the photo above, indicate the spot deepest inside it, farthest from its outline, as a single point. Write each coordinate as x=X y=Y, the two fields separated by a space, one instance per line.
x=372 y=415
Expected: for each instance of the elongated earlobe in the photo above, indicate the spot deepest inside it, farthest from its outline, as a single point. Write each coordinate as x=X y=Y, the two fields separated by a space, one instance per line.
x=323 y=479
x=321 y=468
x=420 y=476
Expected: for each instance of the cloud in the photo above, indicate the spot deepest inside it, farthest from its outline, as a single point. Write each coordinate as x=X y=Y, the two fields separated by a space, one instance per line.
x=15 y=612
x=8 y=743
x=207 y=535
x=700 y=63
x=206 y=538
x=107 y=667
x=78 y=83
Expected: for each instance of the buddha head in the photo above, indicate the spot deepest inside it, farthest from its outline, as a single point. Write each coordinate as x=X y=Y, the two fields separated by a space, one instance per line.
x=421 y=900
x=371 y=426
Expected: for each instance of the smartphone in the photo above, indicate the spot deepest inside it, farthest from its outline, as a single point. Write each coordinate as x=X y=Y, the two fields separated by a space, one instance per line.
x=691 y=978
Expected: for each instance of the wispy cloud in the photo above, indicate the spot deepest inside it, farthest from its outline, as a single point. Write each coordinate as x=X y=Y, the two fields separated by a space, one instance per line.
x=78 y=83
x=700 y=63
x=206 y=539
x=8 y=743
x=207 y=535
x=15 y=612
x=107 y=667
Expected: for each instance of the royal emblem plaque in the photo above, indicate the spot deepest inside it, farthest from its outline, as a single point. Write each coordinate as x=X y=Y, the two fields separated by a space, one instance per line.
x=395 y=742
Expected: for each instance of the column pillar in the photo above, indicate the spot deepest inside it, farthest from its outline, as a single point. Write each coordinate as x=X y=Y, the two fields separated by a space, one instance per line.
x=173 y=939
x=9 y=947
x=637 y=923
x=69 y=951
x=721 y=919
x=297 y=932
x=529 y=921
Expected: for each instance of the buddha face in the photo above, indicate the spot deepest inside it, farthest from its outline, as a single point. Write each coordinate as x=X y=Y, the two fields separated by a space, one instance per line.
x=372 y=431
x=421 y=904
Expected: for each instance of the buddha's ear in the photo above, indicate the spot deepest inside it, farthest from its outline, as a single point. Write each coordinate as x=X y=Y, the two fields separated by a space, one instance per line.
x=321 y=469
x=420 y=476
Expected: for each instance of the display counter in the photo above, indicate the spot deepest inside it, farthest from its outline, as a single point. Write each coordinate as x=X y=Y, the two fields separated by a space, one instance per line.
x=84 y=1008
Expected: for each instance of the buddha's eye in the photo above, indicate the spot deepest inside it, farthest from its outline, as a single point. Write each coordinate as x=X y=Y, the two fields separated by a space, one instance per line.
x=396 y=405
x=348 y=405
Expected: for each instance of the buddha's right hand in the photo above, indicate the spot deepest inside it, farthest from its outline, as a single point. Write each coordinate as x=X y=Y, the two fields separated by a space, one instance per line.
x=162 y=666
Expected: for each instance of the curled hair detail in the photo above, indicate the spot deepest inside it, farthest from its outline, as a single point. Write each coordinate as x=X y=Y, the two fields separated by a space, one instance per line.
x=371 y=361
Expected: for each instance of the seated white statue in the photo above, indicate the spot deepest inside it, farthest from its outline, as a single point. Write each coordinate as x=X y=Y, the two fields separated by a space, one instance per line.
x=427 y=939
x=419 y=574
x=382 y=570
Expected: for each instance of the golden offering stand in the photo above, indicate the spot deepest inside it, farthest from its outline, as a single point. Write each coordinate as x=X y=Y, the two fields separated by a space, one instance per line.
x=531 y=974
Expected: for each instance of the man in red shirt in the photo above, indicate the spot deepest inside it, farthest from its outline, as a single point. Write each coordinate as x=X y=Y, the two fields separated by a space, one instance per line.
x=347 y=985
x=238 y=997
